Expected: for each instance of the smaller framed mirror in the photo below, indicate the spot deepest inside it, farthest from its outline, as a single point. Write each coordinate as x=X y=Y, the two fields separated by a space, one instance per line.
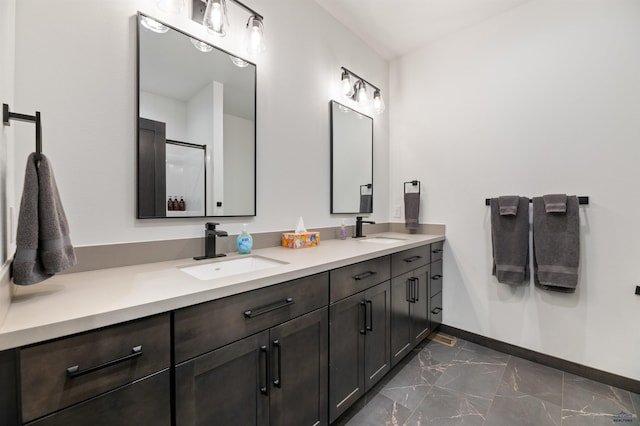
x=351 y=160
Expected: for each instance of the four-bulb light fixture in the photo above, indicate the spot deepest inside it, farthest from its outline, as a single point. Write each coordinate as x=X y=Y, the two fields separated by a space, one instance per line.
x=357 y=91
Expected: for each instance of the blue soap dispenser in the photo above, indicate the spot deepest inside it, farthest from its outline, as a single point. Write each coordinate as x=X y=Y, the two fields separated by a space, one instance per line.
x=245 y=241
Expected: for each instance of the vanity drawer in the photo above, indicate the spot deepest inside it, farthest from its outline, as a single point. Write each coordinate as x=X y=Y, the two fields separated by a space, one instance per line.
x=62 y=372
x=208 y=326
x=409 y=260
x=436 y=251
x=436 y=278
x=351 y=279
x=435 y=308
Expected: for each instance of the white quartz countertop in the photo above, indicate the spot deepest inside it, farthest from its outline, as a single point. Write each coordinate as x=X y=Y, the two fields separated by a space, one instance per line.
x=72 y=303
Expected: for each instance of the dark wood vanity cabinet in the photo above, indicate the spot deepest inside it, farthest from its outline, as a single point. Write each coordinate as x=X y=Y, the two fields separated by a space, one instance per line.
x=276 y=376
x=358 y=332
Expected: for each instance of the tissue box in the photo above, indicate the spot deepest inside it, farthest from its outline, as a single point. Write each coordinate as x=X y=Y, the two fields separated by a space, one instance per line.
x=302 y=240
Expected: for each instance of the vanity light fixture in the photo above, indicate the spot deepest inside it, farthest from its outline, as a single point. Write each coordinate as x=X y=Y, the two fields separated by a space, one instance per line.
x=200 y=45
x=358 y=91
x=215 y=19
x=153 y=25
x=240 y=63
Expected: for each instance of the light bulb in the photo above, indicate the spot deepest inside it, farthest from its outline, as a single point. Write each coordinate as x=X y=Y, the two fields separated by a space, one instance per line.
x=240 y=63
x=378 y=102
x=255 y=35
x=201 y=46
x=153 y=25
x=215 y=17
x=347 y=87
x=361 y=93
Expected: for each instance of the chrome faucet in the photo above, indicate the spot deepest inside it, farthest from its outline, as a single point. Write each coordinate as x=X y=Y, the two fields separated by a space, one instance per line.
x=210 y=235
x=359 y=223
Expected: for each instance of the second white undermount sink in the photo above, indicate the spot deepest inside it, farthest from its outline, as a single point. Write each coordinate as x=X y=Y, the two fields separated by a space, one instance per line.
x=234 y=266
x=382 y=240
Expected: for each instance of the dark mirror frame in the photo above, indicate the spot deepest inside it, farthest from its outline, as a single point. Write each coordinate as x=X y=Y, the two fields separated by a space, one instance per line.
x=365 y=188
x=144 y=184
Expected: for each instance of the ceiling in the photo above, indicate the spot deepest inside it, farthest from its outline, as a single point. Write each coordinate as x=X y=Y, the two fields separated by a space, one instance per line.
x=396 y=27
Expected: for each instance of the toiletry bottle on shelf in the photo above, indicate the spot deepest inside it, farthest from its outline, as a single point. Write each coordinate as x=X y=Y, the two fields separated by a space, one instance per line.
x=170 y=204
x=343 y=231
x=245 y=241
x=182 y=204
x=175 y=204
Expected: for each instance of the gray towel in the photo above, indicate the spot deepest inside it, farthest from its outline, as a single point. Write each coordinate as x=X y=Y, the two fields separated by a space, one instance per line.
x=556 y=246
x=43 y=244
x=510 y=240
x=411 y=209
x=366 y=203
x=555 y=203
x=509 y=205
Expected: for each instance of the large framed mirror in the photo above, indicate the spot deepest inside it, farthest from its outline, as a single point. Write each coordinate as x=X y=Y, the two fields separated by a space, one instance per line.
x=196 y=127
x=351 y=160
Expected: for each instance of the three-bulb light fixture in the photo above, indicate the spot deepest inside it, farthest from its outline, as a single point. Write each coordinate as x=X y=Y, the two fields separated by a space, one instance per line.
x=215 y=20
x=357 y=91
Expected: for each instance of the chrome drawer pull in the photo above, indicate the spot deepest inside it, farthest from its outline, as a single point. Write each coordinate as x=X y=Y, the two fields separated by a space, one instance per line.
x=75 y=371
x=364 y=275
x=252 y=313
x=412 y=259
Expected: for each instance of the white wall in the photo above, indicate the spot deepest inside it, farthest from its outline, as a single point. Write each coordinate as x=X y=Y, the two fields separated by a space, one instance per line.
x=170 y=111
x=76 y=63
x=542 y=99
x=238 y=173
x=7 y=197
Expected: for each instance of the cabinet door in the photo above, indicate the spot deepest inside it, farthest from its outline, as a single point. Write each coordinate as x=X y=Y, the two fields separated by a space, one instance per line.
x=226 y=386
x=420 y=306
x=299 y=371
x=401 y=338
x=376 y=351
x=346 y=353
x=144 y=402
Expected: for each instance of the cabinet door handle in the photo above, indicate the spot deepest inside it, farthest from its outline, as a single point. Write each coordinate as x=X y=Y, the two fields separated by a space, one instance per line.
x=436 y=251
x=277 y=382
x=370 y=326
x=264 y=389
x=436 y=311
x=363 y=330
x=436 y=277
x=364 y=275
x=252 y=313
x=412 y=291
x=412 y=259
x=75 y=371
x=408 y=289
x=417 y=284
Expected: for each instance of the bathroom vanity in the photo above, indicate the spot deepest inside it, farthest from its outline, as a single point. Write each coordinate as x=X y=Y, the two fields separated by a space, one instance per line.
x=289 y=345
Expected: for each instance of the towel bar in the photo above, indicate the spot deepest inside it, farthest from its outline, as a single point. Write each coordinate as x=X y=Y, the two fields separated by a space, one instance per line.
x=7 y=115
x=584 y=200
x=413 y=183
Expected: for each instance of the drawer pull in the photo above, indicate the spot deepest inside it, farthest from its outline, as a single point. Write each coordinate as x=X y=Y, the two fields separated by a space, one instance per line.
x=436 y=311
x=364 y=275
x=412 y=259
x=75 y=371
x=363 y=330
x=436 y=277
x=370 y=326
x=252 y=313
x=436 y=251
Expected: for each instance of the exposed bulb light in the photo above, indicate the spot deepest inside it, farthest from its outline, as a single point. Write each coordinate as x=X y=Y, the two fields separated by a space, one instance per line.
x=240 y=63
x=201 y=46
x=255 y=35
x=378 y=102
x=347 y=87
x=215 y=17
x=153 y=25
x=361 y=93
x=170 y=6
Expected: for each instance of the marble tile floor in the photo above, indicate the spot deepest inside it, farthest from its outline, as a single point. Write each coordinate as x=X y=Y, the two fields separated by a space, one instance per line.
x=470 y=384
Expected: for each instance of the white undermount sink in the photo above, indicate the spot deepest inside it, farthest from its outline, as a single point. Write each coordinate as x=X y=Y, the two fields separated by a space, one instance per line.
x=235 y=266
x=382 y=240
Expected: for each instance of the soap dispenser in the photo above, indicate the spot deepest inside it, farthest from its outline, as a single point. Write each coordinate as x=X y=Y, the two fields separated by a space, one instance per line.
x=343 y=231
x=245 y=241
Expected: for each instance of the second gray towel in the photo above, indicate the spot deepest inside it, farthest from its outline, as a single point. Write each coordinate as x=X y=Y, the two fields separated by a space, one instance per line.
x=42 y=240
x=366 y=203
x=510 y=240
x=411 y=209
x=556 y=246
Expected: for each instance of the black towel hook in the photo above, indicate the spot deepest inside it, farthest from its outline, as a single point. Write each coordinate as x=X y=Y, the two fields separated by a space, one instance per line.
x=8 y=115
x=413 y=184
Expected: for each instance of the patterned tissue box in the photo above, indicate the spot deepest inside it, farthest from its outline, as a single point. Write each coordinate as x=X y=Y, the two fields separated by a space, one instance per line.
x=302 y=240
